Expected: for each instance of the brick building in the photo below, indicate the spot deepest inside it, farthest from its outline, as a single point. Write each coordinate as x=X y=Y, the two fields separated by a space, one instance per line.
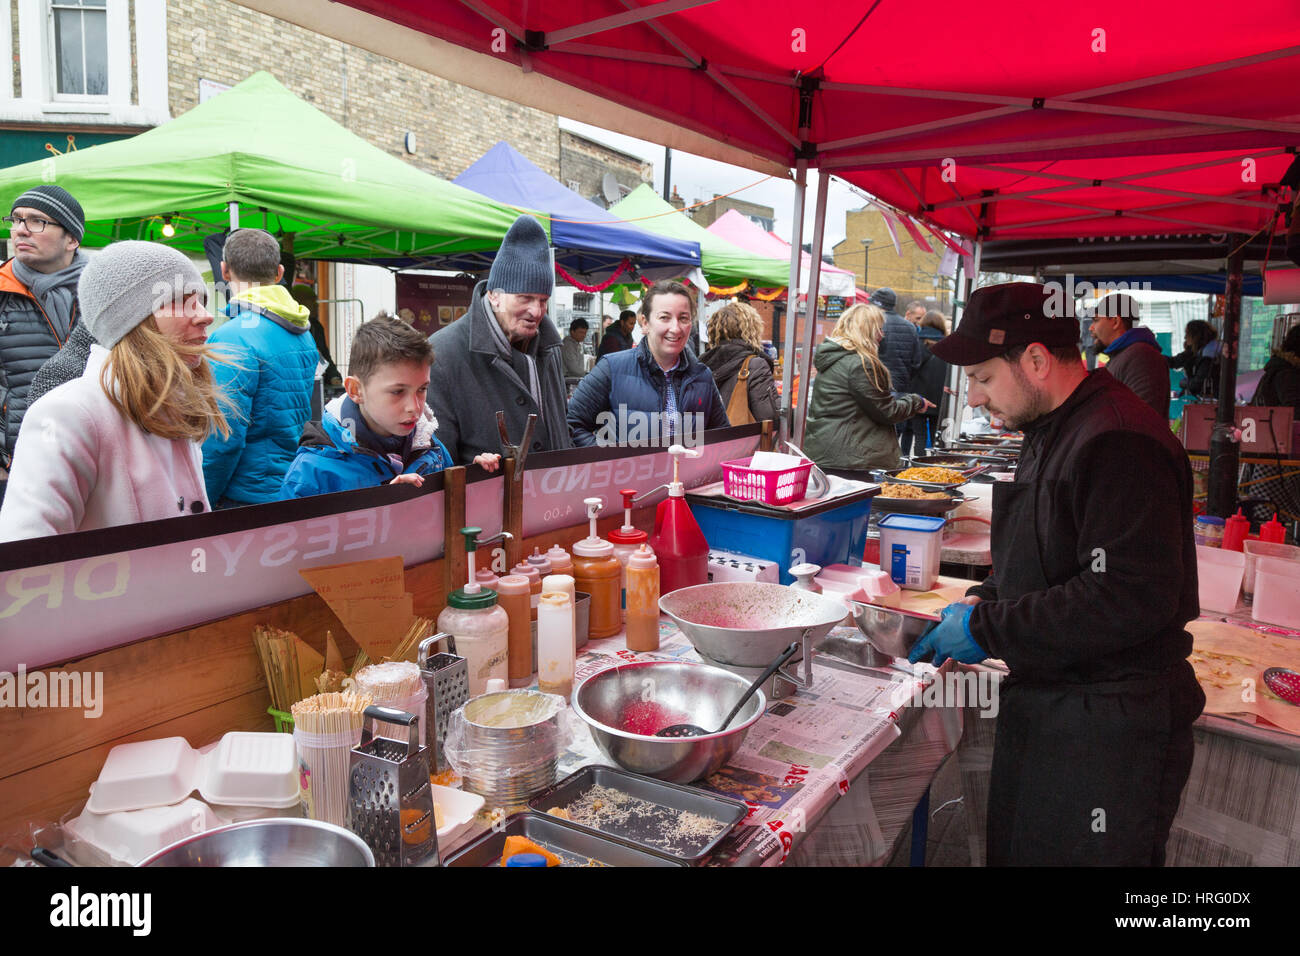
x=584 y=164
x=912 y=275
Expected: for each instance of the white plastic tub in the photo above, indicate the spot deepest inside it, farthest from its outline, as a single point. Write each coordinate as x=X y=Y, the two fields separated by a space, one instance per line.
x=458 y=809
x=1218 y=575
x=1263 y=549
x=1277 y=592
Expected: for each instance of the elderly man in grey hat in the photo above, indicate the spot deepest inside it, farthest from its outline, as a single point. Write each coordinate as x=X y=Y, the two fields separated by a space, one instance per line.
x=38 y=296
x=503 y=354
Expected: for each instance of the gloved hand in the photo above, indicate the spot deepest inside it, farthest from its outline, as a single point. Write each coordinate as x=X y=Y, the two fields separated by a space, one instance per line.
x=951 y=637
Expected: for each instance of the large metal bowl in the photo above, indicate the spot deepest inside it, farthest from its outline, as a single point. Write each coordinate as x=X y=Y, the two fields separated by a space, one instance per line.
x=890 y=630
x=749 y=623
x=626 y=704
x=274 y=842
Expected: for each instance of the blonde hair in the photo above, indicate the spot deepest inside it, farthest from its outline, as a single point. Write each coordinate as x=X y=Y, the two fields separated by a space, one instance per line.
x=857 y=330
x=147 y=380
x=737 y=320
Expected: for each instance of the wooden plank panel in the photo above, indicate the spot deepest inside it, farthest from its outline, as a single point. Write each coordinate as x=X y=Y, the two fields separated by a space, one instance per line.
x=42 y=793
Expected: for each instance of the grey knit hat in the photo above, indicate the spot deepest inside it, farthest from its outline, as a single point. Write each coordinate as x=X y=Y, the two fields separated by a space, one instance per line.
x=129 y=281
x=523 y=263
x=57 y=203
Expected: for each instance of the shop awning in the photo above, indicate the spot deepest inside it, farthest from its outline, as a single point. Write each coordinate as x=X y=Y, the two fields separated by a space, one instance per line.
x=290 y=168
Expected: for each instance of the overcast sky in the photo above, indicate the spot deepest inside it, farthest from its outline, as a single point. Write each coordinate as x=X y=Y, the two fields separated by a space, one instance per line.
x=698 y=178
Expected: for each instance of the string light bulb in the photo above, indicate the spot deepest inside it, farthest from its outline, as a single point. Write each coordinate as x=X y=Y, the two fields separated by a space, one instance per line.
x=168 y=229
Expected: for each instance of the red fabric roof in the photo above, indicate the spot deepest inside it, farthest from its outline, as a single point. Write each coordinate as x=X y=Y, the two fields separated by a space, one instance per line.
x=891 y=85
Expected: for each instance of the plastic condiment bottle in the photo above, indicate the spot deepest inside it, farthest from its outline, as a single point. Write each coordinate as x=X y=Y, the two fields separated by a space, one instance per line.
x=643 y=600
x=1235 y=530
x=678 y=541
x=555 y=644
x=625 y=541
x=560 y=582
x=561 y=563
x=534 y=583
x=486 y=578
x=540 y=561
x=596 y=572
x=479 y=624
x=512 y=590
x=1273 y=530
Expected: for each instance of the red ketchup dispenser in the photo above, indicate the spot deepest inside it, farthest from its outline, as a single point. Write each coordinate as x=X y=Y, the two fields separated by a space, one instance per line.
x=678 y=541
x=1273 y=530
x=1235 y=530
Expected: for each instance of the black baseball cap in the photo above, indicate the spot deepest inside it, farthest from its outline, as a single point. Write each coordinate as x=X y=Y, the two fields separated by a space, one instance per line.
x=1000 y=317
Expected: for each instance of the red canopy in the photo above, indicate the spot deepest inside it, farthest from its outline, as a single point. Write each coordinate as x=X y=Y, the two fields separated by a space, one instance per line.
x=1003 y=95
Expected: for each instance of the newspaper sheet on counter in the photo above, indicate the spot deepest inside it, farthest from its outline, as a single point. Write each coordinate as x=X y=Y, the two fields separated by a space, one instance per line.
x=796 y=761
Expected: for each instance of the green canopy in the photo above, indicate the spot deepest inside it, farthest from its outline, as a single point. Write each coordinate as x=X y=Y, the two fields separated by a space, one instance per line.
x=724 y=264
x=289 y=166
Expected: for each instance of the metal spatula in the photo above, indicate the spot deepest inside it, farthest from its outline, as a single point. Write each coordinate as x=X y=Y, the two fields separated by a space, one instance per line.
x=694 y=730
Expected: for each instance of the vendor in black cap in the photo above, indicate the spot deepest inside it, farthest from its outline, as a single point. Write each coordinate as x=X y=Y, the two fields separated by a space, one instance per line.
x=1087 y=601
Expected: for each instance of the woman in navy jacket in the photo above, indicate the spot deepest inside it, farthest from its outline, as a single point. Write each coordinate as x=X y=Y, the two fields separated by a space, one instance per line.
x=656 y=393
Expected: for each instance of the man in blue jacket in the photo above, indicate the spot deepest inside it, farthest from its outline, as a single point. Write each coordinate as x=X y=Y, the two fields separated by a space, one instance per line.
x=1133 y=356
x=268 y=380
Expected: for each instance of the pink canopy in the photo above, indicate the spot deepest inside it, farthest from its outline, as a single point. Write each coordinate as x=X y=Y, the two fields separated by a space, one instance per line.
x=744 y=232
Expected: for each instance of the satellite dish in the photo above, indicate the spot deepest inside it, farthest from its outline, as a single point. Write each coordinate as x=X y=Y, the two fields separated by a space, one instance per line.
x=609 y=186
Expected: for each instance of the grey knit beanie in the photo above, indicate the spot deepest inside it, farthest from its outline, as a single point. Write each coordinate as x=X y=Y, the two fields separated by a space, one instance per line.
x=57 y=203
x=127 y=282
x=523 y=263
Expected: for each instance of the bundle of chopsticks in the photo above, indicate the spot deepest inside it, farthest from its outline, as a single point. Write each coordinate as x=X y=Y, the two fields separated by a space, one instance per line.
x=278 y=651
x=326 y=727
x=408 y=647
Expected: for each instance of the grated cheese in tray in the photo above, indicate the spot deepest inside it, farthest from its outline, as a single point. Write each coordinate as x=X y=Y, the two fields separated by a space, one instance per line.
x=613 y=811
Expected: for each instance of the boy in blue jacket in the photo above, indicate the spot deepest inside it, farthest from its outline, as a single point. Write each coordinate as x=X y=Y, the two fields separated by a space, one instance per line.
x=381 y=431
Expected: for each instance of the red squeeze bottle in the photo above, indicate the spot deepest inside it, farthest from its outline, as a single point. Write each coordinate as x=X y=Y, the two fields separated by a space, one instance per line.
x=1235 y=530
x=1273 y=530
x=679 y=543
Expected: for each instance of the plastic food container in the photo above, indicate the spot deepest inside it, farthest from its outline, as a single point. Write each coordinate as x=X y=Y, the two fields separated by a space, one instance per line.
x=1254 y=550
x=1218 y=576
x=129 y=836
x=259 y=770
x=458 y=809
x=1208 y=531
x=770 y=487
x=909 y=549
x=1277 y=592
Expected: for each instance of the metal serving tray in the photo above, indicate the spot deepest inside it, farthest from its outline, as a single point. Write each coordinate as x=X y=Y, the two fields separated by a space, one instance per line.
x=574 y=846
x=916 y=506
x=675 y=799
x=948 y=486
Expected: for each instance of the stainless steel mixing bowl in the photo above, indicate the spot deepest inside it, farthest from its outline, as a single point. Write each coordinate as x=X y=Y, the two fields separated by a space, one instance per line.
x=748 y=623
x=272 y=842
x=650 y=695
x=890 y=630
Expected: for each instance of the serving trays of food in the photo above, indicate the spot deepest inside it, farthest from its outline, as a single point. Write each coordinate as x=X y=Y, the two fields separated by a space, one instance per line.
x=928 y=478
x=941 y=504
x=571 y=845
x=667 y=819
x=957 y=462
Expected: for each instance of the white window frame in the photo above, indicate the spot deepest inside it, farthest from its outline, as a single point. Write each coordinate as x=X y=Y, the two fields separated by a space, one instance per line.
x=52 y=54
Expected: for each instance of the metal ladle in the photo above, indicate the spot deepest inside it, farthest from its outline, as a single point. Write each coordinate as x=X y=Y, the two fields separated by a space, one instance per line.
x=694 y=730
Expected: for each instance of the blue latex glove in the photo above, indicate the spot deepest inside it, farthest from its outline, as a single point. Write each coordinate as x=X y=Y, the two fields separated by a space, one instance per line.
x=951 y=637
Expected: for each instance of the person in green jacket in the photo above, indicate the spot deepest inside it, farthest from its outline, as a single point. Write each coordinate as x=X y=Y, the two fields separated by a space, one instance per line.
x=852 y=413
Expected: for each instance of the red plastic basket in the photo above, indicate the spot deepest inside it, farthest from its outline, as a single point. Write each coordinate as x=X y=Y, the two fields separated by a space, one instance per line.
x=770 y=487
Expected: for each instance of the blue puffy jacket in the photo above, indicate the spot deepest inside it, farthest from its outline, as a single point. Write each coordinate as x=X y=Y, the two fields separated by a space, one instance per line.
x=269 y=394
x=330 y=459
x=633 y=380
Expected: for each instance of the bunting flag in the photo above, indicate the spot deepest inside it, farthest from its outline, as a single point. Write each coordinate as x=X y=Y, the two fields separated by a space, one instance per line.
x=915 y=233
x=938 y=234
x=893 y=232
x=613 y=279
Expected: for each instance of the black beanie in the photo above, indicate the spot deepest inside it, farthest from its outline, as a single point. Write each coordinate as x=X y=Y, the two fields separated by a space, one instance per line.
x=523 y=263
x=57 y=203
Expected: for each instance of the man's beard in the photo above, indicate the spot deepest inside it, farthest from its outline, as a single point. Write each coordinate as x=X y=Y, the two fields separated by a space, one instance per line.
x=1035 y=401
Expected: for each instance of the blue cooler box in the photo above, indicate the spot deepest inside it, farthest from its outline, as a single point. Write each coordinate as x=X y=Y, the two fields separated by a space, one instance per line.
x=830 y=533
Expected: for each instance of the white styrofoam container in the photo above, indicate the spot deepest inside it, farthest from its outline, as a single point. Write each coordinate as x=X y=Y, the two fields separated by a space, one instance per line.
x=126 y=837
x=1277 y=592
x=245 y=769
x=458 y=810
x=1218 y=577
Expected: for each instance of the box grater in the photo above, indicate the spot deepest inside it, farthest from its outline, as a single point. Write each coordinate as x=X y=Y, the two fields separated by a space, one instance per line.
x=446 y=675
x=390 y=801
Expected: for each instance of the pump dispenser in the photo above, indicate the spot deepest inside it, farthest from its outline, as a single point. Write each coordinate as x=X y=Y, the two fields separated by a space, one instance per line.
x=678 y=541
x=478 y=623
x=626 y=540
x=596 y=572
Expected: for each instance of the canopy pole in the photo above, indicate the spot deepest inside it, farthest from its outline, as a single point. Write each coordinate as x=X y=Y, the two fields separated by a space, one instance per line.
x=810 y=313
x=1224 y=453
x=950 y=397
x=971 y=282
x=791 y=301
x=234 y=216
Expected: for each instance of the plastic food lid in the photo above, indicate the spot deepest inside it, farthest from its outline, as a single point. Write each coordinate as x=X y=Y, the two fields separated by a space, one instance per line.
x=593 y=548
x=556 y=553
x=527 y=859
x=513 y=584
x=538 y=560
x=554 y=599
x=527 y=570
x=472 y=601
x=635 y=536
x=903 y=522
x=1209 y=519
x=642 y=558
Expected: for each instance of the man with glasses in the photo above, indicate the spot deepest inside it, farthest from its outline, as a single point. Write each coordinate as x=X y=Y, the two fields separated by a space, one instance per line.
x=38 y=296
